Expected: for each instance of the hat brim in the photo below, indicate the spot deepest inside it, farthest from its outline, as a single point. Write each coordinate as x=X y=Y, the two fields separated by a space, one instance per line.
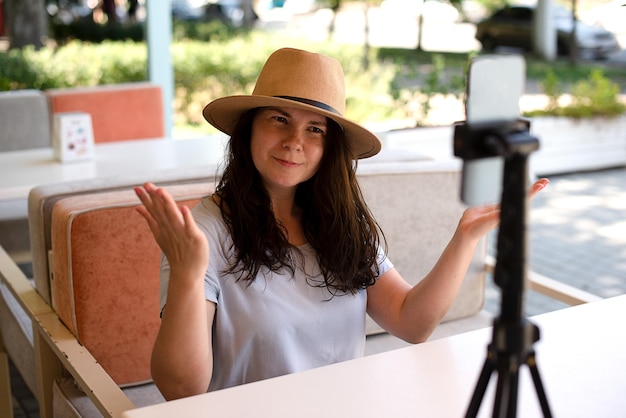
x=224 y=113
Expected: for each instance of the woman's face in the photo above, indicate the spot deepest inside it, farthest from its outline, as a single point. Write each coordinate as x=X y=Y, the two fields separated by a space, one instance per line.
x=287 y=146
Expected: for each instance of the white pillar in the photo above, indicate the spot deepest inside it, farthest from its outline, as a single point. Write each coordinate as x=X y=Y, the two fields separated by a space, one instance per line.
x=160 y=68
x=544 y=31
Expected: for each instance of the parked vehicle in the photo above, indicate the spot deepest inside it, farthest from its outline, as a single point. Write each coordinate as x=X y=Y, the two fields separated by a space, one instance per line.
x=187 y=10
x=229 y=11
x=512 y=26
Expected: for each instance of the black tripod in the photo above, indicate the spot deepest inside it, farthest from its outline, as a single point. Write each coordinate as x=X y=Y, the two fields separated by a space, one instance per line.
x=513 y=336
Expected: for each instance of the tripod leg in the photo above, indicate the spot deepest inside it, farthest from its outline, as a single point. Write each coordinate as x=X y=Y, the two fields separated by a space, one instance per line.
x=541 y=394
x=505 y=405
x=481 y=386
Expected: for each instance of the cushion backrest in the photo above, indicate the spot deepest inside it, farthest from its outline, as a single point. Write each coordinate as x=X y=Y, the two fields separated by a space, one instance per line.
x=118 y=112
x=42 y=199
x=418 y=207
x=105 y=277
x=24 y=120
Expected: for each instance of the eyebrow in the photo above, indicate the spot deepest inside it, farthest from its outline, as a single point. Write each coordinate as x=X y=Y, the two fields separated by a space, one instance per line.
x=282 y=111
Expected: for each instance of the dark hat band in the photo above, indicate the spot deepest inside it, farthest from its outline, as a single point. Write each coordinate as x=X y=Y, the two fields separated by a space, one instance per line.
x=310 y=102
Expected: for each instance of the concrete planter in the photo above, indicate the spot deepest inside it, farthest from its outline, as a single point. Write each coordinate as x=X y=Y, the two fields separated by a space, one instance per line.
x=570 y=145
x=566 y=145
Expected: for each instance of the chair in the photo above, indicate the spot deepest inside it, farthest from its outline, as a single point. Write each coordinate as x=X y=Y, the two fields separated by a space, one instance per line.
x=42 y=199
x=24 y=124
x=23 y=300
x=24 y=120
x=416 y=203
x=104 y=283
x=118 y=112
x=19 y=304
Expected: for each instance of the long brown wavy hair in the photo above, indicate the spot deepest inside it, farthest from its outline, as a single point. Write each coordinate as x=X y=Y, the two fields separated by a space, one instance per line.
x=337 y=222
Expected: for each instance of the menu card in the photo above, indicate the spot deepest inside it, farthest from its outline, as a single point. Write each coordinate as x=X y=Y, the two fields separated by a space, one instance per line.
x=72 y=136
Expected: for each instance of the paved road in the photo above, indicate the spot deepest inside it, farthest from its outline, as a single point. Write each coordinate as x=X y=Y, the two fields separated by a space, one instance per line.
x=577 y=235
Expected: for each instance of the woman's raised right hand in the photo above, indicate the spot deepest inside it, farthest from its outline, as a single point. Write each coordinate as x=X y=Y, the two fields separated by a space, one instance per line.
x=174 y=228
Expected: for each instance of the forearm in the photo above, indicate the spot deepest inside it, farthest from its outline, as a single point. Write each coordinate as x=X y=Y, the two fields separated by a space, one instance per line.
x=427 y=302
x=413 y=313
x=182 y=357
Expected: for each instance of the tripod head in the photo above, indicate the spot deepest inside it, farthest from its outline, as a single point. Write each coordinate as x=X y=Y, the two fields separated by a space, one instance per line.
x=493 y=139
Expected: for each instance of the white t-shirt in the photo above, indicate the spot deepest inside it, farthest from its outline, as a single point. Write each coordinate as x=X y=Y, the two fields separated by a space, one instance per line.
x=278 y=324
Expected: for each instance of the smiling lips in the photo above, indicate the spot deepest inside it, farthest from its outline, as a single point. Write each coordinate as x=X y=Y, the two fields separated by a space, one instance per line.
x=286 y=163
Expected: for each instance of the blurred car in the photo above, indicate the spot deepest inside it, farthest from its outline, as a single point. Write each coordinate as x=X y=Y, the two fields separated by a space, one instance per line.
x=232 y=12
x=512 y=26
x=187 y=10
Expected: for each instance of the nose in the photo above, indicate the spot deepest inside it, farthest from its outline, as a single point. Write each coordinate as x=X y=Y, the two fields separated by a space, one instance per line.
x=293 y=140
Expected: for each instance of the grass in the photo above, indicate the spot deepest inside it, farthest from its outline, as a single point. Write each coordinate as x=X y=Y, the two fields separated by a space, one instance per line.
x=536 y=68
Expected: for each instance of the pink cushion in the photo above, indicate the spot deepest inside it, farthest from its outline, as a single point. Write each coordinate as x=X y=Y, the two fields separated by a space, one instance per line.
x=105 y=277
x=118 y=112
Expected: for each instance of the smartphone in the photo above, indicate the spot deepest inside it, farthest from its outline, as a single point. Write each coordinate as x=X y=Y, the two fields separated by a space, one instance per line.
x=495 y=84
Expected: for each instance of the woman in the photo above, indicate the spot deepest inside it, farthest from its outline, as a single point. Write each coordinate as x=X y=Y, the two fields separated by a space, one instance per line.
x=274 y=272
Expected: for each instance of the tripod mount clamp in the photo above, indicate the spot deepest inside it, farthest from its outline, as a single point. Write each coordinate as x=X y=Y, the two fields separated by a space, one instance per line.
x=474 y=141
x=514 y=337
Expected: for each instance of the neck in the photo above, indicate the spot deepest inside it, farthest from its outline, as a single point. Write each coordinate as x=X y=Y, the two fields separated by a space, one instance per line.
x=290 y=216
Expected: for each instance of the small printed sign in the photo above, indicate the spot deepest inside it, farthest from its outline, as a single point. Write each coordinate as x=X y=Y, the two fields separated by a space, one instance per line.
x=73 y=136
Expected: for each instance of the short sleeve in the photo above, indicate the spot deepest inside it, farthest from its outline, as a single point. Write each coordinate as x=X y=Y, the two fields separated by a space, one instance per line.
x=384 y=263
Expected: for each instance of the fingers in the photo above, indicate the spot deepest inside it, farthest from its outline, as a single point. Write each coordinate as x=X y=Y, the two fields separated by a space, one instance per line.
x=158 y=203
x=142 y=193
x=144 y=196
x=188 y=219
x=538 y=186
x=159 y=209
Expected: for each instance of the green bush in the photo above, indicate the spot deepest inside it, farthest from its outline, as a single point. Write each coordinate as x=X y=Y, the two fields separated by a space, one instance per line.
x=594 y=96
x=397 y=84
x=597 y=96
x=430 y=81
x=207 y=70
x=74 y=64
x=19 y=71
x=203 y=71
x=214 y=30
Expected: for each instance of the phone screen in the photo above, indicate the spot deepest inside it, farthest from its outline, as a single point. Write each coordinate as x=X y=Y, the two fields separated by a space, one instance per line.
x=495 y=84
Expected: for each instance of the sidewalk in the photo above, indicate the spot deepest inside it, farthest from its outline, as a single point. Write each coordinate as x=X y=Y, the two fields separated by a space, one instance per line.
x=577 y=235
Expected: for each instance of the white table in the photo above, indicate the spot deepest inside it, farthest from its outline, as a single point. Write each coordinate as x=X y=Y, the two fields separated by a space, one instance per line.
x=581 y=357
x=20 y=171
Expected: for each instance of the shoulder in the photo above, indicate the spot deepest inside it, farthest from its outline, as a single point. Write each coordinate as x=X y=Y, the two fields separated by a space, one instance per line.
x=209 y=218
x=207 y=211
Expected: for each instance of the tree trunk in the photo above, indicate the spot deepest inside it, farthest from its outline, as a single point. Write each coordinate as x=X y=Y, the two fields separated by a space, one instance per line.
x=27 y=23
x=108 y=7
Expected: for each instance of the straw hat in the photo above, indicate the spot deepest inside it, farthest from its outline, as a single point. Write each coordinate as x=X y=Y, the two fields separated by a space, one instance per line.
x=300 y=79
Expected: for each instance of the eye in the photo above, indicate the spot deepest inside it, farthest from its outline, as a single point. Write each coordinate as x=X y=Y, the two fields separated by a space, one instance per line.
x=279 y=118
x=317 y=130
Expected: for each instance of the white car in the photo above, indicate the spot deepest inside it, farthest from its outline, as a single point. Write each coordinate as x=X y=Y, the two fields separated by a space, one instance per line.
x=512 y=26
x=228 y=11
